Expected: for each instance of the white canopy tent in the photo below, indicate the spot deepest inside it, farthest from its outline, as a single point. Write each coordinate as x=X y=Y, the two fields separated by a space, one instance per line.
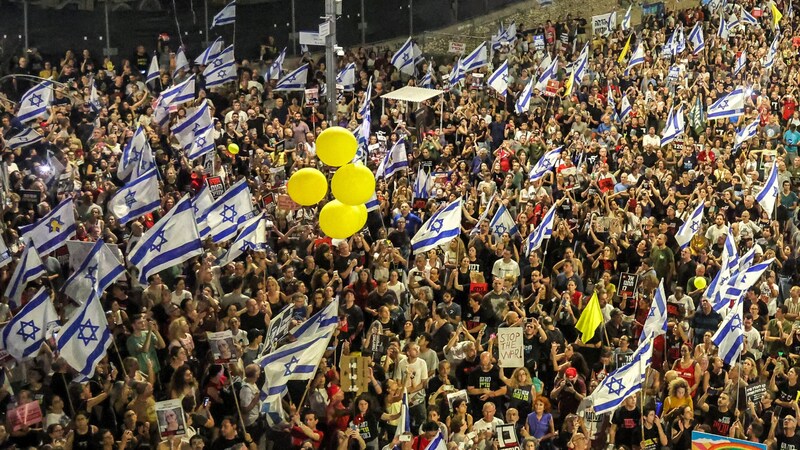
x=416 y=95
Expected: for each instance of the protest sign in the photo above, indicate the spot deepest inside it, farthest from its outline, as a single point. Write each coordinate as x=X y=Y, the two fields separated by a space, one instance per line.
x=25 y=416
x=222 y=347
x=171 y=421
x=627 y=284
x=509 y=347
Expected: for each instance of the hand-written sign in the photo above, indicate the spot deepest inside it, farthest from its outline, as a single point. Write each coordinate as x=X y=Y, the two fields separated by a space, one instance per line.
x=510 y=347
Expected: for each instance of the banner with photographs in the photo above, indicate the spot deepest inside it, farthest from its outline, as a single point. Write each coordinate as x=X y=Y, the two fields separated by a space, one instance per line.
x=222 y=347
x=171 y=421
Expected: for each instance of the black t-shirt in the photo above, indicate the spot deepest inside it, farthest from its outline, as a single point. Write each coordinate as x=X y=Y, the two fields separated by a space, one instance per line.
x=480 y=379
x=628 y=428
x=783 y=442
x=720 y=422
x=227 y=444
x=651 y=438
x=787 y=393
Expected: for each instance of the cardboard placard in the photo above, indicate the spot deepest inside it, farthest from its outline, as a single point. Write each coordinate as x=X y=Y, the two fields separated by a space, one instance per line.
x=507 y=436
x=478 y=288
x=755 y=391
x=216 y=186
x=355 y=373
x=551 y=90
x=31 y=196
x=222 y=346
x=171 y=420
x=278 y=329
x=453 y=396
x=627 y=284
x=312 y=97
x=457 y=47
x=25 y=416
x=286 y=203
x=510 y=347
x=538 y=42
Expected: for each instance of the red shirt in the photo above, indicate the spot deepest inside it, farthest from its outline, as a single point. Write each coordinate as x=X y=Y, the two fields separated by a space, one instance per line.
x=298 y=437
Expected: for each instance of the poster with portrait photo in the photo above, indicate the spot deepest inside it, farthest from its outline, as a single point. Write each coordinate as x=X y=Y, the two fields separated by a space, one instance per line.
x=457 y=395
x=171 y=421
x=222 y=347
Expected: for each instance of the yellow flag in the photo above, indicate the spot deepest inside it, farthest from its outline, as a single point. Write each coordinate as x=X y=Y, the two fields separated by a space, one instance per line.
x=776 y=14
x=568 y=85
x=590 y=319
x=625 y=50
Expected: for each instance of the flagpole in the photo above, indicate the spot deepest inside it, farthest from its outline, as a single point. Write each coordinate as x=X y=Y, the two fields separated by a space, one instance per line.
x=236 y=398
x=119 y=356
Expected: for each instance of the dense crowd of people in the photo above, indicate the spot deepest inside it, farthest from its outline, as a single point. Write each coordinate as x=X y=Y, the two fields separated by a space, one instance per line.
x=428 y=322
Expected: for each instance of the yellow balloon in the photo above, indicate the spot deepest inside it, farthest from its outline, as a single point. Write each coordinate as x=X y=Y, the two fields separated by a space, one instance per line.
x=307 y=186
x=336 y=146
x=233 y=149
x=341 y=221
x=353 y=184
x=700 y=282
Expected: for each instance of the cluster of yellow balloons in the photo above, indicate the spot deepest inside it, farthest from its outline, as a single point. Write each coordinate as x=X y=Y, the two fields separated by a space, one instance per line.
x=352 y=185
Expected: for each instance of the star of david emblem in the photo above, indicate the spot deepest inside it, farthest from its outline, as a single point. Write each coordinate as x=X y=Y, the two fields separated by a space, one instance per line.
x=159 y=241
x=615 y=386
x=136 y=155
x=436 y=225
x=222 y=73
x=290 y=366
x=36 y=100
x=291 y=78
x=85 y=337
x=775 y=191
x=500 y=229
x=246 y=245
x=736 y=322
x=694 y=226
x=217 y=62
x=505 y=78
x=652 y=312
x=196 y=127
x=200 y=142
x=130 y=199
x=229 y=213
x=55 y=225
x=724 y=104
x=23 y=325
x=90 y=274
x=405 y=56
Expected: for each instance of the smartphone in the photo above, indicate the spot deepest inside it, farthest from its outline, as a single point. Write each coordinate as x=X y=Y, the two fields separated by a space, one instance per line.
x=205 y=402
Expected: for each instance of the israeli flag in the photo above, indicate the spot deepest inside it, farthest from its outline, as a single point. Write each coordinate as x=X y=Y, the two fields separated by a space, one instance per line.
x=545 y=164
x=502 y=222
x=723 y=30
x=221 y=70
x=363 y=110
x=741 y=279
x=730 y=261
x=136 y=198
x=25 y=138
x=181 y=62
x=626 y=21
x=85 y=338
x=29 y=267
x=733 y=22
x=731 y=105
x=477 y=59
x=729 y=337
x=675 y=126
x=99 y=269
x=741 y=61
x=201 y=203
x=485 y=214
x=656 y=322
x=549 y=73
x=202 y=144
x=395 y=160
x=423 y=184
x=696 y=39
x=613 y=105
x=746 y=133
x=178 y=94
x=403 y=59
x=456 y=74
x=542 y=232
x=321 y=323
x=523 y=102
x=689 y=228
x=154 y=72
x=52 y=231
x=295 y=80
x=24 y=335
x=499 y=79
x=747 y=17
x=769 y=59
x=94 y=99
x=171 y=241
x=34 y=103
x=225 y=17
x=294 y=361
x=438 y=443
x=623 y=382
x=504 y=36
x=252 y=237
x=636 y=58
x=625 y=108
x=347 y=77
x=274 y=70
x=679 y=42
x=427 y=79
x=769 y=193
x=137 y=157
x=442 y=227
x=373 y=204
x=579 y=67
x=196 y=119
x=611 y=25
x=229 y=212
x=210 y=53
x=404 y=423
x=669 y=47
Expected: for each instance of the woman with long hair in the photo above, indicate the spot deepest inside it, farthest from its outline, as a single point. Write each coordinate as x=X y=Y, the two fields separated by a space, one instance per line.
x=520 y=390
x=688 y=369
x=183 y=383
x=677 y=396
x=459 y=411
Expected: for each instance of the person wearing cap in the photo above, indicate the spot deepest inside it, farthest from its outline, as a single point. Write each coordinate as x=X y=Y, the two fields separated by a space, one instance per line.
x=569 y=392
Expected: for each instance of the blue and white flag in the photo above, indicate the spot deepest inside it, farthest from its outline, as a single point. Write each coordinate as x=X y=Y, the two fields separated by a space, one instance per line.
x=178 y=94
x=696 y=38
x=728 y=267
x=680 y=41
x=52 y=231
x=747 y=18
x=196 y=119
x=769 y=193
x=295 y=80
x=457 y=74
x=226 y=16
x=484 y=215
x=252 y=237
x=321 y=323
x=729 y=336
x=578 y=69
x=404 y=422
x=423 y=184
x=636 y=58
x=742 y=279
x=723 y=30
x=274 y=70
x=24 y=334
x=623 y=382
x=201 y=203
x=373 y=203
x=34 y=103
x=545 y=164
x=523 y=102
x=731 y=105
x=95 y=103
x=542 y=232
x=656 y=322
x=769 y=59
x=689 y=228
x=364 y=109
x=504 y=36
x=181 y=62
x=549 y=73
x=137 y=156
x=427 y=79
x=99 y=269
x=154 y=72
x=613 y=105
x=437 y=443
x=29 y=267
x=741 y=61
x=229 y=212
x=294 y=361
x=347 y=77
x=202 y=143
x=626 y=21
x=137 y=198
x=221 y=70
x=746 y=133
x=675 y=126
x=477 y=59
x=25 y=138
x=403 y=59
x=499 y=79
x=625 y=108
x=365 y=129
x=502 y=222
x=441 y=228
x=210 y=53
x=171 y=241
x=395 y=160
x=733 y=22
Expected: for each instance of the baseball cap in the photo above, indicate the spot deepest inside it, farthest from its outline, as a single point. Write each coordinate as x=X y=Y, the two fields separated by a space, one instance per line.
x=571 y=372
